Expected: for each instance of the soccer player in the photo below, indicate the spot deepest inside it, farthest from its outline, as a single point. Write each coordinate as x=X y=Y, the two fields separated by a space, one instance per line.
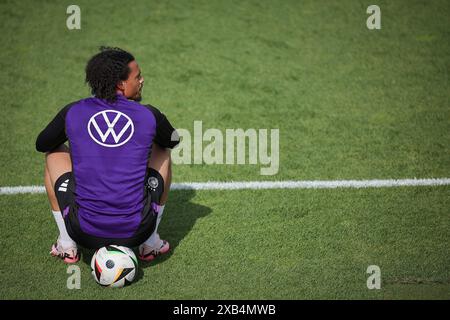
x=111 y=184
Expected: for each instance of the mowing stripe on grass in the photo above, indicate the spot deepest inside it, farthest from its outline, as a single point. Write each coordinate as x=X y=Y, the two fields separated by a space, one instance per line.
x=239 y=185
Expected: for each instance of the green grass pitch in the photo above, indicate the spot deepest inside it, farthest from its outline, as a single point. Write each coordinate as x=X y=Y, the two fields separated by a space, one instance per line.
x=350 y=103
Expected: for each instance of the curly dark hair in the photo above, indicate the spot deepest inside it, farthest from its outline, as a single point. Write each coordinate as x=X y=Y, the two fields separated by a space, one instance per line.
x=105 y=70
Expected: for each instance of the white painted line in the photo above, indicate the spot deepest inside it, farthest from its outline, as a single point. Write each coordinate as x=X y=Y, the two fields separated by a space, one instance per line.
x=239 y=185
x=315 y=184
x=22 y=189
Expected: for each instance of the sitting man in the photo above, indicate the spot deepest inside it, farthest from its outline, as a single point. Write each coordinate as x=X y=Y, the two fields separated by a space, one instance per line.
x=111 y=184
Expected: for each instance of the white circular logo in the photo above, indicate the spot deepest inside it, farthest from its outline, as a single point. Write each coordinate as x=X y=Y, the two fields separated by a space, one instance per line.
x=153 y=183
x=104 y=128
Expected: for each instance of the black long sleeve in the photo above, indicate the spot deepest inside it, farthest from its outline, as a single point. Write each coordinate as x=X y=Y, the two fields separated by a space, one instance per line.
x=54 y=134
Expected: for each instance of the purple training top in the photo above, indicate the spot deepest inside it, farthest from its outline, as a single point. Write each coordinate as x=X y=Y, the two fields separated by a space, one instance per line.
x=110 y=145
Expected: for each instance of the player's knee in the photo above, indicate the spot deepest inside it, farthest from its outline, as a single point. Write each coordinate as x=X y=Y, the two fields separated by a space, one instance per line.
x=159 y=159
x=62 y=149
x=160 y=152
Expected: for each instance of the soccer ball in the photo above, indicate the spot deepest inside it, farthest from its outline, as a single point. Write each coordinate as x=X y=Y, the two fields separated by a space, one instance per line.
x=114 y=266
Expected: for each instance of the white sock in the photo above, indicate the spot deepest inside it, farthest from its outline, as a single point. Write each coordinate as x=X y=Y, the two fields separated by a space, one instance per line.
x=154 y=240
x=64 y=239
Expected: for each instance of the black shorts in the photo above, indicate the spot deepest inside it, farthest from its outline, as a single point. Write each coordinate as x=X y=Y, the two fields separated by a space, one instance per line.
x=64 y=191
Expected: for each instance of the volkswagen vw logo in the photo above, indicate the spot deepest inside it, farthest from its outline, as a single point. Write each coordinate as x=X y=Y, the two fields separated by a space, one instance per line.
x=100 y=128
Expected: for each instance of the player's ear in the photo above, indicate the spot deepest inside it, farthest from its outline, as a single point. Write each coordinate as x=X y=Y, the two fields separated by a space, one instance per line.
x=121 y=86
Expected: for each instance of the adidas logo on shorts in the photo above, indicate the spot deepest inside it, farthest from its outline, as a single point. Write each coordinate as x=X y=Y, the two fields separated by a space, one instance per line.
x=63 y=186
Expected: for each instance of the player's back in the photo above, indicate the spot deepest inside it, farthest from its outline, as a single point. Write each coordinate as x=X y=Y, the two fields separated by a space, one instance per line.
x=109 y=147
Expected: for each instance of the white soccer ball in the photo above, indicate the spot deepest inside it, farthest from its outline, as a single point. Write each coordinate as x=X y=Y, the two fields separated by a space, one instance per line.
x=114 y=266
